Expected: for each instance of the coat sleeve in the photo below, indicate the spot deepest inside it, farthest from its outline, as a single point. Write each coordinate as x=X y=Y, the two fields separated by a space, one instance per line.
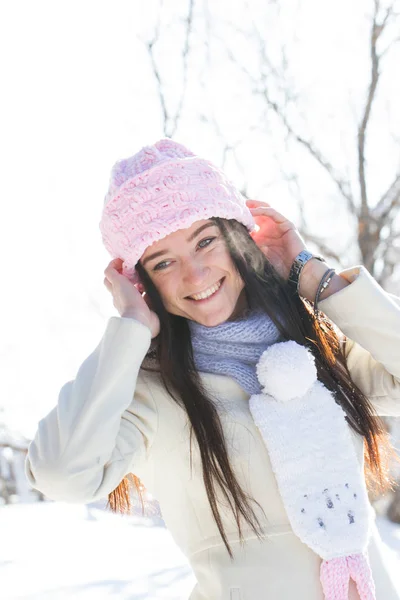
x=370 y=319
x=103 y=425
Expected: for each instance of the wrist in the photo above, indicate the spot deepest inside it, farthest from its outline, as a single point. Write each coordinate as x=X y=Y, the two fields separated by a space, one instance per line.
x=130 y=314
x=311 y=276
x=303 y=257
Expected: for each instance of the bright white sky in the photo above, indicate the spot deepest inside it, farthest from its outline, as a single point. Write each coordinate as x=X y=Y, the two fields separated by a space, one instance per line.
x=78 y=94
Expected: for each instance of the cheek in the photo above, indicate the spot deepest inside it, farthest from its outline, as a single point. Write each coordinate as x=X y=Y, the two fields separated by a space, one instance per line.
x=167 y=288
x=227 y=264
x=238 y=284
x=219 y=258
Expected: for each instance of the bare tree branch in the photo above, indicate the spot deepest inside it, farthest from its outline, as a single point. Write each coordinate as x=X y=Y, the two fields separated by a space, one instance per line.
x=390 y=254
x=377 y=29
x=185 y=60
x=150 y=47
x=230 y=147
x=323 y=248
x=389 y=201
x=369 y=230
x=342 y=184
x=170 y=123
x=389 y=47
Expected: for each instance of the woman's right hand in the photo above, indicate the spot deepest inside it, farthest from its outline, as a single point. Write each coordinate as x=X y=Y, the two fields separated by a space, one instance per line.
x=128 y=301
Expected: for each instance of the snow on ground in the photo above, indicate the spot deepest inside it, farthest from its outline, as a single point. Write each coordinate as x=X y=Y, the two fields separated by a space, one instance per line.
x=57 y=551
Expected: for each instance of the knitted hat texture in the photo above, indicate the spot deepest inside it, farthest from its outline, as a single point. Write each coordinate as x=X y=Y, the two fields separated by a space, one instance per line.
x=163 y=188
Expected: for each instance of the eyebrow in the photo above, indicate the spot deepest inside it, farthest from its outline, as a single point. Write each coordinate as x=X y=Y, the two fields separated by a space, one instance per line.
x=190 y=238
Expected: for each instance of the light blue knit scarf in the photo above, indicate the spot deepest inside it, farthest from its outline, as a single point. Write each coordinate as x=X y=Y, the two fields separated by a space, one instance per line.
x=234 y=347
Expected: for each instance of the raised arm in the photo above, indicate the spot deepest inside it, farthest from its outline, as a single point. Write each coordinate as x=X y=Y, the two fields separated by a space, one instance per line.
x=370 y=319
x=104 y=422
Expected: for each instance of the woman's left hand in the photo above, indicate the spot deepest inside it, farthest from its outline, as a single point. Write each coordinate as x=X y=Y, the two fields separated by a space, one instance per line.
x=277 y=237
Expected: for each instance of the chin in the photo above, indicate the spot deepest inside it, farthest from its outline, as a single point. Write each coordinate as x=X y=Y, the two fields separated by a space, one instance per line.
x=214 y=318
x=210 y=322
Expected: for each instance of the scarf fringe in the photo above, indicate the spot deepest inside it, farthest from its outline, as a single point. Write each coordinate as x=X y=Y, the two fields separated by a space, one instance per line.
x=335 y=576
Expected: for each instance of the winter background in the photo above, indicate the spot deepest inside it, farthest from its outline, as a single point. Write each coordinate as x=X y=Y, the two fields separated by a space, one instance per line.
x=290 y=98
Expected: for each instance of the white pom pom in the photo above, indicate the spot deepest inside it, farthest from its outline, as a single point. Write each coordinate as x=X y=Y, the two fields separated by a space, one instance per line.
x=286 y=370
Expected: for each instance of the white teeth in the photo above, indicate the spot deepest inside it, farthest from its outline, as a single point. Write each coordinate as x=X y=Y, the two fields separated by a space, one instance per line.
x=206 y=293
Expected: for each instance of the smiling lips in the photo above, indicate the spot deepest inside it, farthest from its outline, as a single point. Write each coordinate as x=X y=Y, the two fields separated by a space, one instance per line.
x=208 y=292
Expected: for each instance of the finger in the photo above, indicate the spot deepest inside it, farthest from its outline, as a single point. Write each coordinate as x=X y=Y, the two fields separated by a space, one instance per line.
x=254 y=203
x=269 y=212
x=111 y=274
x=113 y=268
x=115 y=261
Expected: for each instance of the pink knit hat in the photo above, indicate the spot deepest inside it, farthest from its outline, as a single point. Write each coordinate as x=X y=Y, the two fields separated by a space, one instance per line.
x=159 y=190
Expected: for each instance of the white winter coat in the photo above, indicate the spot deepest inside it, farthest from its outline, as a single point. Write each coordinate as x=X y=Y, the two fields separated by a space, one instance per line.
x=116 y=418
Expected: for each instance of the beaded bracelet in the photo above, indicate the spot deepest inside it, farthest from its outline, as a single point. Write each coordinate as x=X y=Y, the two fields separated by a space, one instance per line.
x=323 y=284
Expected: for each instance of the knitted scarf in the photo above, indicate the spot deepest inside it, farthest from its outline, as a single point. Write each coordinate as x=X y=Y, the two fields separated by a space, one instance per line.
x=301 y=424
x=234 y=347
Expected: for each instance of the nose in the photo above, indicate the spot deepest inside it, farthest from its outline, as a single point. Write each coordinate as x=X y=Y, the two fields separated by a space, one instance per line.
x=195 y=273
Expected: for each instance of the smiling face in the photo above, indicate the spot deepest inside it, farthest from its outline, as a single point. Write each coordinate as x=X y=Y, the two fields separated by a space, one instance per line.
x=195 y=276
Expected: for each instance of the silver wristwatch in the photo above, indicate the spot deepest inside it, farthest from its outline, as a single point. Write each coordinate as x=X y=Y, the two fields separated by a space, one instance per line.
x=297 y=266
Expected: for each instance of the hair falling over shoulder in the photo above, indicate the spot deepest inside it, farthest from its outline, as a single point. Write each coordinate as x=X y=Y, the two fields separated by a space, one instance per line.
x=294 y=317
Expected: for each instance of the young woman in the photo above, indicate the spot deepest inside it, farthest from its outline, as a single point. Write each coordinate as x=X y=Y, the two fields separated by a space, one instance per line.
x=241 y=384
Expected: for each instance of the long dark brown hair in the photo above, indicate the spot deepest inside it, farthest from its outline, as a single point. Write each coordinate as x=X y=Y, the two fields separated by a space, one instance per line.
x=294 y=317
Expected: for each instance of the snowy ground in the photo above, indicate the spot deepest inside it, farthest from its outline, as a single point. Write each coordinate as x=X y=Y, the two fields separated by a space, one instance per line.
x=55 y=551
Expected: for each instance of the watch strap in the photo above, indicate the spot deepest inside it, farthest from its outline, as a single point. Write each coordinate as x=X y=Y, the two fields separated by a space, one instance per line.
x=297 y=266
